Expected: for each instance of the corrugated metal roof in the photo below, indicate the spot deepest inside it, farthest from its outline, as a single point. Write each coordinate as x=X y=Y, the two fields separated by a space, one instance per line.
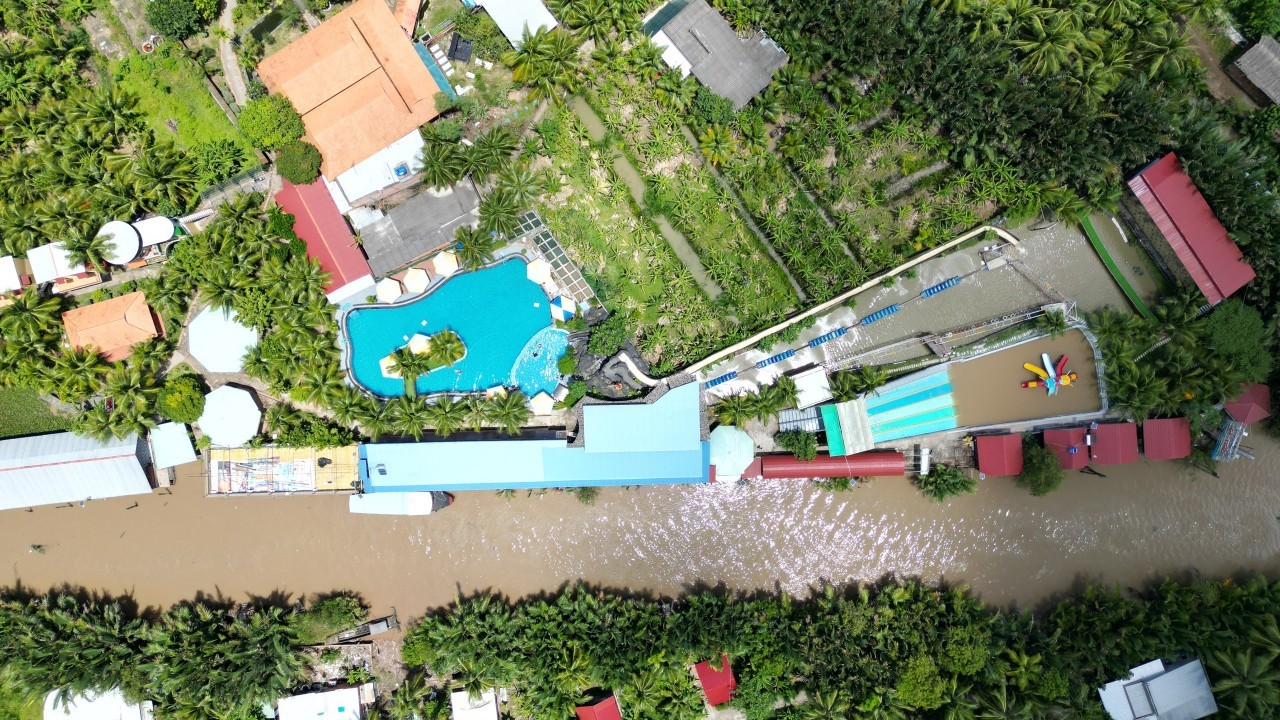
x=1189 y=225
x=671 y=423
x=513 y=17
x=606 y=709
x=999 y=455
x=874 y=463
x=1062 y=441
x=1166 y=439
x=63 y=467
x=1261 y=64
x=1115 y=443
x=320 y=225
x=717 y=685
x=343 y=704
x=1182 y=693
x=171 y=446
x=1254 y=404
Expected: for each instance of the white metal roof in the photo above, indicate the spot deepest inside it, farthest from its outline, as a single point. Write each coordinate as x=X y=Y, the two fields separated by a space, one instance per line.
x=231 y=416
x=513 y=16
x=341 y=704
x=9 y=279
x=814 y=387
x=170 y=446
x=109 y=705
x=50 y=262
x=466 y=707
x=155 y=230
x=122 y=242
x=379 y=171
x=1179 y=692
x=63 y=467
x=218 y=341
x=391 y=503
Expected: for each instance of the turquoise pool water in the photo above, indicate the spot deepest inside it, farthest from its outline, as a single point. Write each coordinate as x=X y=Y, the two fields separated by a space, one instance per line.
x=503 y=318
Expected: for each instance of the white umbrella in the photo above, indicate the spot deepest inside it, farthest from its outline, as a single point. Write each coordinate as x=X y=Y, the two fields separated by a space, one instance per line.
x=562 y=308
x=122 y=242
x=231 y=417
x=387 y=370
x=538 y=271
x=732 y=451
x=218 y=341
x=445 y=264
x=542 y=404
x=416 y=280
x=388 y=290
x=495 y=391
x=419 y=343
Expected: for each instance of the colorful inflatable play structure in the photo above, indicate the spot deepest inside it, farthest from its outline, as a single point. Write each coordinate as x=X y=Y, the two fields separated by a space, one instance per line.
x=1051 y=376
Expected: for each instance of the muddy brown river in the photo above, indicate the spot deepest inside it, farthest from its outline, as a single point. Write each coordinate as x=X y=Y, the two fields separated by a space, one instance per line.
x=1140 y=522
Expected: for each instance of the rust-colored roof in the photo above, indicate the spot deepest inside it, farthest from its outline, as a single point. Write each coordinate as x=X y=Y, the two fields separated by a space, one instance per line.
x=1254 y=404
x=999 y=455
x=357 y=81
x=1115 y=443
x=113 y=326
x=1166 y=439
x=407 y=13
x=1068 y=444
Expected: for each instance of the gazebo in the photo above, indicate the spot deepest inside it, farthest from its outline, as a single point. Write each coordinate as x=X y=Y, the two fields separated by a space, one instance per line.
x=219 y=342
x=231 y=417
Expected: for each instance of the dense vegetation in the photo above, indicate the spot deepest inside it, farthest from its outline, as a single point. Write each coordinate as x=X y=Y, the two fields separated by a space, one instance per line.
x=895 y=652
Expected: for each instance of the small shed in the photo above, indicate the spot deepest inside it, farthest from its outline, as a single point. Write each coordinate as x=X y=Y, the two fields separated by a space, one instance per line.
x=1155 y=691
x=1254 y=404
x=717 y=685
x=10 y=278
x=51 y=262
x=341 y=704
x=1166 y=439
x=604 y=709
x=999 y=455
x=459 y=48
x=1115 y=443
x=1069 y=445
x=171 y=446
x=1258 y=71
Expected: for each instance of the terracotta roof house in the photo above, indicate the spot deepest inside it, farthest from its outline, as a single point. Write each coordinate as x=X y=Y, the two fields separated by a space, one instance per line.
x=113 y=326
x=1254 y=404
x=999 y=455
x=1166 y=439
x=1258 y=71
x=1115 y=443
x=603 y=709
x=329 y=241
x=1186 y=221
x=357 y=81
x=717 y=685
x=1068 y=444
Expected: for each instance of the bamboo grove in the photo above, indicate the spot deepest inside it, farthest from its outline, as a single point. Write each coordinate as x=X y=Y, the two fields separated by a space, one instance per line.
x=900 y=651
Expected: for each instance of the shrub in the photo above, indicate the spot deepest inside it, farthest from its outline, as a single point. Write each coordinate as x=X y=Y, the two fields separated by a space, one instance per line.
x=839 y=484
x=1041 y=470
x=182 y=399
x=280 y=224
x=945 y=481
x=208 y=9
x=298 y=162
x=1237 y=334
x=1256 y=17
x=609 y=336
x=293 y=428
x=804 y=445
x=967 y=650
x=577 y=391
x=328 y=617
x=586 y=495
x=177 y=19
x=568 y=363
x=270 y=122
x=920 y=685
x=217 y=160
x=710 y=109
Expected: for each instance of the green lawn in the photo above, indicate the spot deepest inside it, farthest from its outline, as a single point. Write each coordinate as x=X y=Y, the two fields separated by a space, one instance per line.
x=23 y=413
x=172 y=93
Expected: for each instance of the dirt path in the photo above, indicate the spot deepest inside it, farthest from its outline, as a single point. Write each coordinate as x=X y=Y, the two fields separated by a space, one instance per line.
x=1220 y=84
x=227 y=54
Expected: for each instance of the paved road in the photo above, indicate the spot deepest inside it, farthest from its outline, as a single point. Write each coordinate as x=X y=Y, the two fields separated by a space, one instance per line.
x=227 y=53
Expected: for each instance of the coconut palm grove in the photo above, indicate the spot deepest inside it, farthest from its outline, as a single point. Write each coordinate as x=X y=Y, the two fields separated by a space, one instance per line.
x=750 y=196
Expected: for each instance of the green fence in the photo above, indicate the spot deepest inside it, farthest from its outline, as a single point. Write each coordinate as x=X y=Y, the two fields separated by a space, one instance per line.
x=1120 y=279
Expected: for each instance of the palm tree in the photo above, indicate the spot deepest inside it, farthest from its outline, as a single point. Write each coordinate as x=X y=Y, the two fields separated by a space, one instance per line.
x=500 y=213
x=79 y=372
x=477 y=411
x=443 y=165
x=411 y=365
x=520 y=182
x=446 y=348
x=718 y=144
x=410 y=415
x=475 y=248
x=509 y=412
x=31 y=318
x=826 y=706
x=735 y=409
x=1054 y=323
x=1248 y=682
x=490 y=151
x=547 y=63
x=448 y=416
x=1049 y=46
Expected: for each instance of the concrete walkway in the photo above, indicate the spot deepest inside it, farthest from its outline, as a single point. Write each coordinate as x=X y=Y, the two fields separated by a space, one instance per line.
x=231 y=69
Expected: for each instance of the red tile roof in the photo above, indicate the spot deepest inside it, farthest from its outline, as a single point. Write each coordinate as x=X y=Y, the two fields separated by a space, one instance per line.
x=718 y=685
x=999 y=455
x=1185 y=219
x=1254 y=404
x=1115 y=443
x=606 y=709
x=329 y=240
x=113 y=327
x=1166 y=439
x=1062 y=441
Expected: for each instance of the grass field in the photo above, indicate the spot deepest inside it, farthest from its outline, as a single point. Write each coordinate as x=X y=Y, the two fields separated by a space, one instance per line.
x=22 y=412
x=173 y=95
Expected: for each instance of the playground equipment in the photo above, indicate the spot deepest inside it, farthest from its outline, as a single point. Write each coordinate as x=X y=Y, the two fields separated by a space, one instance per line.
x=1051 y=376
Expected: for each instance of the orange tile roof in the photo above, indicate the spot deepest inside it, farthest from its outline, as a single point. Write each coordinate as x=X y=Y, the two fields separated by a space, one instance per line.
x=113 y=326
x=407 y=13
x=358 y=83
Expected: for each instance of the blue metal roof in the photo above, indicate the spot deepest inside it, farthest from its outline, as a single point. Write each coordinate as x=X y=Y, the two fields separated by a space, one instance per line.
x=671 y=423
x=419 y=467
x=574 y=467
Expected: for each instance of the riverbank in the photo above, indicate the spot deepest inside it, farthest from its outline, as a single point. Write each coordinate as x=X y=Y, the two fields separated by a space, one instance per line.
x=1141 y=522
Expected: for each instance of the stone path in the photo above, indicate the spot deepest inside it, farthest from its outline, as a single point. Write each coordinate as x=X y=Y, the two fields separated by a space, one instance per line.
x=227 y=53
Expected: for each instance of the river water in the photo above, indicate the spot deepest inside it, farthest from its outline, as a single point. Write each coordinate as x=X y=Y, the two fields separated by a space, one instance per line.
x=1142 y=521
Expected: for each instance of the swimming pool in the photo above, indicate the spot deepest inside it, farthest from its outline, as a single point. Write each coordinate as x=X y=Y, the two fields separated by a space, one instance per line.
x=503 y=318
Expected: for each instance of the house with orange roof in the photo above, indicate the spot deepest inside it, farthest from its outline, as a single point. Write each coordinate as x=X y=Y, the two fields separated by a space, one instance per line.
x=357 y=81
x=113 y=327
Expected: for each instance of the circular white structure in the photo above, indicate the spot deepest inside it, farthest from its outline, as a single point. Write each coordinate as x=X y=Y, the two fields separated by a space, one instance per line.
x=122 y=242
x=218 y=342
x=416 y=280
x=154 y=231
x=231 y=417
x=732 y=451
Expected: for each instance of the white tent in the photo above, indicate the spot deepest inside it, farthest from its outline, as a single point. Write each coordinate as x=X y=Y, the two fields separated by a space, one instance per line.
x=218 y=342
x=445 y=263
x=389 y=290
x=171 y=446
x=466 y=707
x=416 y=280
x=64 y=468
x=109 y=705
x=231 y=417
x=122 y=242
x=10 y=279
x=50 y=262
x=154 y=231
